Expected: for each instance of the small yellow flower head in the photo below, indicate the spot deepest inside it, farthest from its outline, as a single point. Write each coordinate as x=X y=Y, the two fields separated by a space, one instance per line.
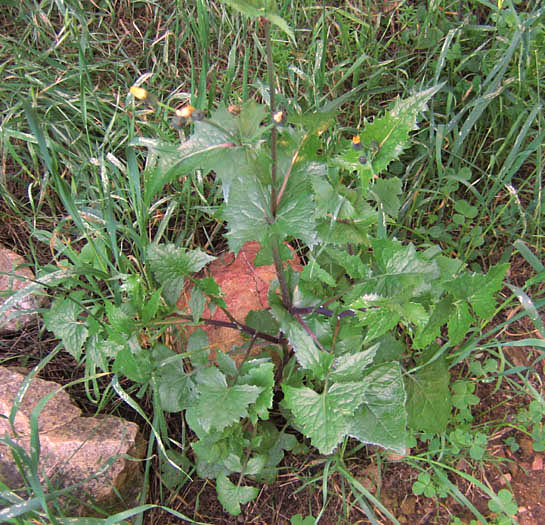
x=185 y=112
x=279 y=117
x=356 y=142
x=139 y=93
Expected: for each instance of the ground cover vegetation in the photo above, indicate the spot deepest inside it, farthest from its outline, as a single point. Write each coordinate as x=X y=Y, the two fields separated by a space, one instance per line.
x=396 y=148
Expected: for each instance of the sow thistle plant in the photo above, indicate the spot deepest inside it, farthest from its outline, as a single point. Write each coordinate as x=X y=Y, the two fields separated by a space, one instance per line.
x=367 y=331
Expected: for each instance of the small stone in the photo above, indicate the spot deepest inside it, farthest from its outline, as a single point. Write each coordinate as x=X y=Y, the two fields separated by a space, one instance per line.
x=72 y=448
x=14 y=276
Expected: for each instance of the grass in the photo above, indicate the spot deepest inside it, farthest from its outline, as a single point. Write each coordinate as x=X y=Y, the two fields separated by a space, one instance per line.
x=473 y=181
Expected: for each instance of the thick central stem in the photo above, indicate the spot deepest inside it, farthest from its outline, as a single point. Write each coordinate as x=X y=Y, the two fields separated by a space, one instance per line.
x=275 y=241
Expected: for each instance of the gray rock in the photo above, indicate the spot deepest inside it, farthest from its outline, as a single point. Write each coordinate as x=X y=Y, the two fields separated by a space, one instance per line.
x=72 y=448
x=13 y=278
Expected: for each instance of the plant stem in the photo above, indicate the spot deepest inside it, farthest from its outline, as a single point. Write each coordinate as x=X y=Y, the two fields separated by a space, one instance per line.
x=274 y=159
x=275 y=242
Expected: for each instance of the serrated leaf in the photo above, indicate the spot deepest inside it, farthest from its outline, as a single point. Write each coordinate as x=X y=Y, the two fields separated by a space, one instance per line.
x=390 y=134
x=324 y=418
x=459 y=322
x=386 y=192
x=262 y=321
x=308 y=355
x=261 y=375
x=247 y=213
x=352 y=264
x=197 y=302
x=378 y=321
x=170 y=265
x=232 y=496
x=429 y=402
x=176 y=389
x=121 y=323
x=312 y=272
x=221 y=405
x=439 y=317
x=382 y=419
x=350 y=367
x=63 y=320
x=136 y=366
x=198 y=348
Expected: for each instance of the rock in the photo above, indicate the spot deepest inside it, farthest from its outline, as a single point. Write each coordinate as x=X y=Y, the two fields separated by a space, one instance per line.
x=245 y=287
x=72 y=448
x=13 y=277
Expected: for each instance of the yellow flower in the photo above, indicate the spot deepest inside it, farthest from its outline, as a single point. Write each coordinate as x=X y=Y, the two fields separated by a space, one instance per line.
x=139 y=93
x=356 y=142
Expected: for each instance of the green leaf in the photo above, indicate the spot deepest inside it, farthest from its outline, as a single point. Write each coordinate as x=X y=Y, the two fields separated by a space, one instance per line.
x=176 y=389
x=308 y=355
x=504 y=503
x=350 y=367
x=439 y=316
x=170 y=265
x=378 y=321
x=352 y=264
x=121 y=323
x=262 y=376
x=384 y=139
x=197 y=301
x=221 y=405
x=382 y=418
x=261 y=8
x=325 y=417
x=232 y=496
x=386 y=192
x=198 y=348
x=247 y=213
x=262 y=321
x=313 y=272
x=459 y=322
x=136 y=365
x=429 y=401
x=463 y=207
x=62 y=319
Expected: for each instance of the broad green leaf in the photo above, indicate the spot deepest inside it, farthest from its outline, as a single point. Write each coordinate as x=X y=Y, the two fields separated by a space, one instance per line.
x=382 y=418
x=308 y=355
x=262 y=321
x=440 y=315
x=429 y=402
x=247 y=213
x=325 y=417
x=352 y=264
x=121 y=323
x=378 y=321
x=313 y=272
x=384 y=139
x=388 y=348
x=220 y=405
x=350 y=367
x=62 y=319
x=176 y=389
x=170 y=265
x=197 y=302
x=198 y=348
x=387 y=192
x=261 y=375
x=136 y=366
x=401 y=268
x=459 y=322
x=482 y=300
x=295 y=215
x=232 y=496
